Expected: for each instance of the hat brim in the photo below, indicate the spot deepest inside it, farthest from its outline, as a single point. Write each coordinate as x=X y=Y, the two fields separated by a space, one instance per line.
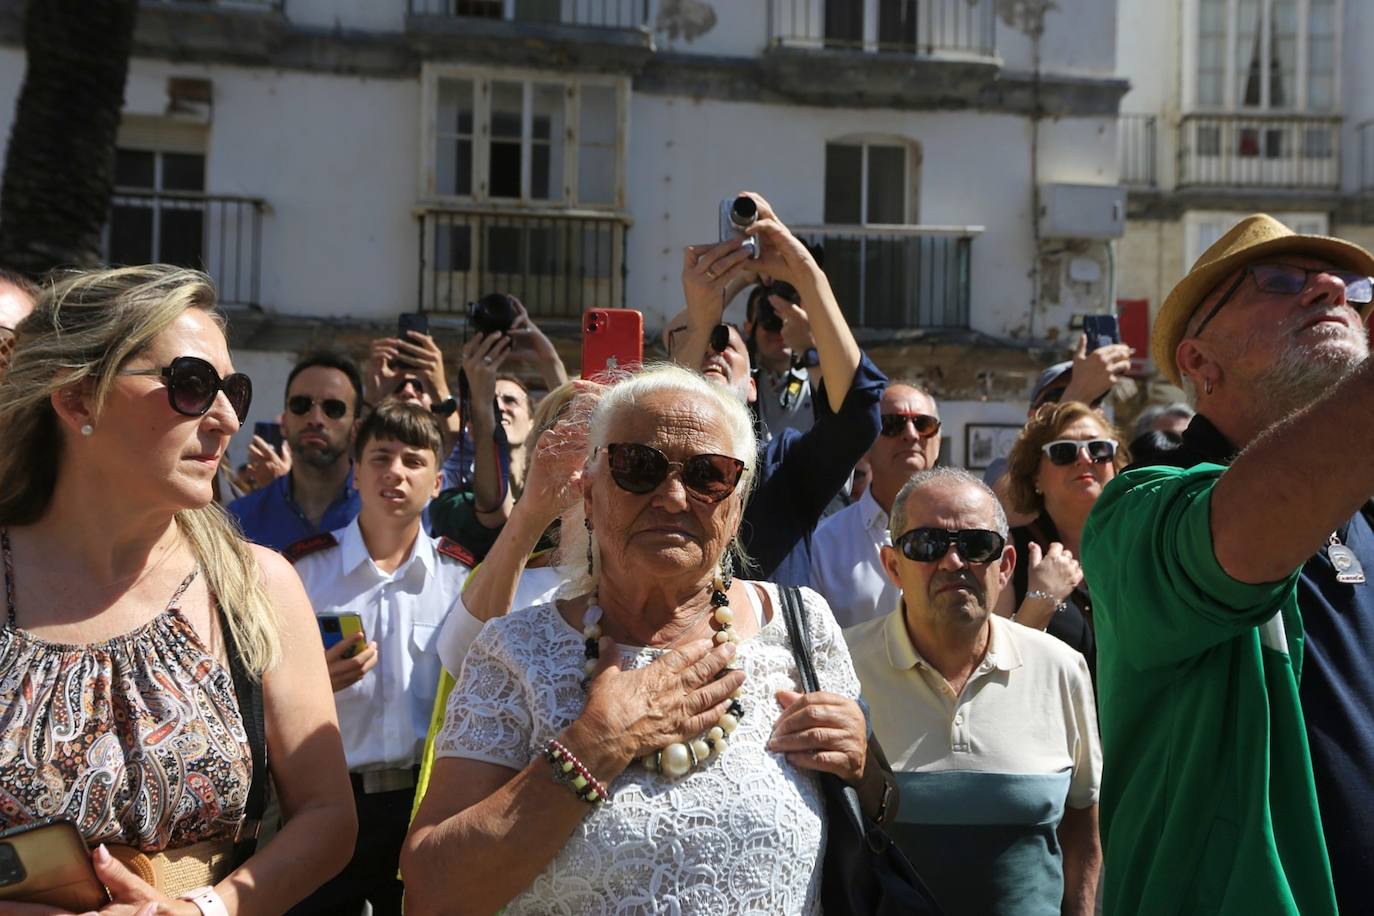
x=1184 y=299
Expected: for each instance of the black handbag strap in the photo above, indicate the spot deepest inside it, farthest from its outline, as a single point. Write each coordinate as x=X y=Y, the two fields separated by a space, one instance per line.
x=248 y=689
x=799 y=630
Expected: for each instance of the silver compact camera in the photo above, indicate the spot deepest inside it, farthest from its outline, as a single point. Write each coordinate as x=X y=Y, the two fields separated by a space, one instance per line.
x=737 y=214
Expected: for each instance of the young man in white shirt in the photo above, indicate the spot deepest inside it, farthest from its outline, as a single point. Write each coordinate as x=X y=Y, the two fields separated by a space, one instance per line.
x=846 y=553
x=402 y=584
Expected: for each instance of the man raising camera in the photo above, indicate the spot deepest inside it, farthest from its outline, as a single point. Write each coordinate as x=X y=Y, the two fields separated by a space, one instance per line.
x=779 y=336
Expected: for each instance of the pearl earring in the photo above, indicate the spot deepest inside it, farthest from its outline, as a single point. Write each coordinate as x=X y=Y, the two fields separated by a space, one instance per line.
x=87 y=430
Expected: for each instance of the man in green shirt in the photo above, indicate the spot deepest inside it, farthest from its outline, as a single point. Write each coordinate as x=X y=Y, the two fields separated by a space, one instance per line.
x=1233 y=635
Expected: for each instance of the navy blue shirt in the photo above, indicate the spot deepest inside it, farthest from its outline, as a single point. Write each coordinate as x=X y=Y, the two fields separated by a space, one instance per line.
x=270 y=516
x=799 y=473
x=1336 y=687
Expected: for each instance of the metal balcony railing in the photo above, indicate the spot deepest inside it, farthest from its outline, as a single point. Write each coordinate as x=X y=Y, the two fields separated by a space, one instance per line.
x=219 y=234
x=607 y=14
x=1137 y=145
x=1263 y=151
x=557 y=263
x=915 y=27
x=897 y=276
x=223 y=4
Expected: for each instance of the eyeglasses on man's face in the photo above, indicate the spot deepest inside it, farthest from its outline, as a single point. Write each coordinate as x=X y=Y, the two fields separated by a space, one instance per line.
x=1288 y=280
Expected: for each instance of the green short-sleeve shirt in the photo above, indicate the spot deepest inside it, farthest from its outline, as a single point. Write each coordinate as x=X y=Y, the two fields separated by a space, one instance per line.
x=1208 y=803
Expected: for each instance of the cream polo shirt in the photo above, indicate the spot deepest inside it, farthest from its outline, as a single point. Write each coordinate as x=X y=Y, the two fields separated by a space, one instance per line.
x=984 y=774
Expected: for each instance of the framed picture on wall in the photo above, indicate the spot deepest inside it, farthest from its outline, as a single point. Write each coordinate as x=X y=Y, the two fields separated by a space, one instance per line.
x=986 y=442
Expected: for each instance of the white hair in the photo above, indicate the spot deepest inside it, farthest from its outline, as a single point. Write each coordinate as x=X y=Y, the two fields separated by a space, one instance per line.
x=630 y=394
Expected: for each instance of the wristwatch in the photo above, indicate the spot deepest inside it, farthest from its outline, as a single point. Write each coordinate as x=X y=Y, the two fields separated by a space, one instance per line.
x=446 y=407
x=807 y=359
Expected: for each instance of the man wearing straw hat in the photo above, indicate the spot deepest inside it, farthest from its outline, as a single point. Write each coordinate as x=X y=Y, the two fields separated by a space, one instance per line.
x=1235 y=625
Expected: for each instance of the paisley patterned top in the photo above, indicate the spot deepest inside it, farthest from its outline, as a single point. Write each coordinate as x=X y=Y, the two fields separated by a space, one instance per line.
x=138 y=739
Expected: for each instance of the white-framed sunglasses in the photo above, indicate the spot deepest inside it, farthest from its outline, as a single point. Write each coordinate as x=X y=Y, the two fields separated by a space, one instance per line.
x=1065 y=451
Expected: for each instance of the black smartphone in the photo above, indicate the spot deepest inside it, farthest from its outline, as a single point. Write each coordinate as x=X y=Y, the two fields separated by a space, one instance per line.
x=406 y=322
x=1102 y=331
x=269 y=433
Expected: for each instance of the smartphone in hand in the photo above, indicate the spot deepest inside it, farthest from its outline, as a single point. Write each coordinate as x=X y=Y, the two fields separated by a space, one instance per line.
x=1102 y=331
x=46 y=862
x=269 y=433
x=335 y=628
x=406 y=322
x=612 y=340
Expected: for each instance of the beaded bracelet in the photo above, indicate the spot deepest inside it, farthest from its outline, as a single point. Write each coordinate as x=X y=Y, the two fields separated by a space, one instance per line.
x=571 y=772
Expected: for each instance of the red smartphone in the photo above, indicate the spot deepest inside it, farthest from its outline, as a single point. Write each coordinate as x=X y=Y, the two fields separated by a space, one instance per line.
x=612 y=342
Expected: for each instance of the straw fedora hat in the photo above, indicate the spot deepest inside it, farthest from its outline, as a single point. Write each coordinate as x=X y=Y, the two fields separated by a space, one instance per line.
x=1251 y=239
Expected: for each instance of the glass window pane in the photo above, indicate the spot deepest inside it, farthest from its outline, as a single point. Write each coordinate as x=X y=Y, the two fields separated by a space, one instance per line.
x=183 y=172
x=507 y=107
x=843 y=165
x=1249 y=53
x=504 y=254
x=886 y=184
x=549 y=129
x=131 y=234
x=182 y=236
x=1208 y=140
x=505 y=170
x=596 y=152
x=134 y=168
x=538 y=10
x=455 y=107
x=452 y=247
x=1316 y=143
x=453 y=166
x=1283 y=50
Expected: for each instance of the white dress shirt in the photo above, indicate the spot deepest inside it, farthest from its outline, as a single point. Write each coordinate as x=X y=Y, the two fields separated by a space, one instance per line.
x=384 y=717
x=846 y=566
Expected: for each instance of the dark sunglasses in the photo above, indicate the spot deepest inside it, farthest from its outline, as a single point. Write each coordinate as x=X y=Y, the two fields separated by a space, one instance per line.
x=642 y=469
x=1065 y=451
x=1284 y=280
x=719 y=340
x=975 y=545
x=768 y=316
x=894 y=424
x=300 y=405
x=193 y=384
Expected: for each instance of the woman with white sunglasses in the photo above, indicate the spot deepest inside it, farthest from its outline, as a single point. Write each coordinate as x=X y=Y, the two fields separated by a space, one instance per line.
x=1061 y=461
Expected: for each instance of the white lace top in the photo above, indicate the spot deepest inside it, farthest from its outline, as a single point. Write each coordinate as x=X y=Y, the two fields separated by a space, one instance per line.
x=742 y=834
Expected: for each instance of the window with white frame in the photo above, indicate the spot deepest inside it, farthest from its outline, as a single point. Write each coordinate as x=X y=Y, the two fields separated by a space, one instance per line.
x=868 y=182
x=1268 y=55
x=156 y=212
x=527 y=138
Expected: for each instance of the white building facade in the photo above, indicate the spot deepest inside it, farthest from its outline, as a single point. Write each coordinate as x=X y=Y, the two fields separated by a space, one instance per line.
x=1238 y=106
x=334 y=162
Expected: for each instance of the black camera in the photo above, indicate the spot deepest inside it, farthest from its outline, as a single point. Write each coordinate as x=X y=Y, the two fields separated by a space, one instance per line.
x=494 y=312
x=765 y=316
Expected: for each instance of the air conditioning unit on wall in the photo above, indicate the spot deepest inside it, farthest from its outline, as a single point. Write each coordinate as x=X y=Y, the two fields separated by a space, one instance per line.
x=1082 y=211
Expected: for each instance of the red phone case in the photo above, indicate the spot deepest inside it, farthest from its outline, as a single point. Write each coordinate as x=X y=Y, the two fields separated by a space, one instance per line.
x=612 y=342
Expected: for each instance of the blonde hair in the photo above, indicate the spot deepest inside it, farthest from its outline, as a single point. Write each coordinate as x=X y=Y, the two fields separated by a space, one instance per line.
x=86 y=327
x=629 y=394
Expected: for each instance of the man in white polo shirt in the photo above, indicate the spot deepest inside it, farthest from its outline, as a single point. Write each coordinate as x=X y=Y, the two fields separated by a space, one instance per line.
x=846 y=564
x=990 y=726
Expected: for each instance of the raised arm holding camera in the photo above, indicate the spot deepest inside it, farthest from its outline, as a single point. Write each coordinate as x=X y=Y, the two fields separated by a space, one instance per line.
x=799 y=473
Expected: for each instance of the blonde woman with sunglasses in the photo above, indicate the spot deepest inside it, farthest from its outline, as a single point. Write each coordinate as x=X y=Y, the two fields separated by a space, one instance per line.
x=150 y=656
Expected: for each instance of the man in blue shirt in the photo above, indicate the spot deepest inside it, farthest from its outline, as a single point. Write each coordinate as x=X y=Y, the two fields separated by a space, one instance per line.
x=324 y=394
x=798 y=473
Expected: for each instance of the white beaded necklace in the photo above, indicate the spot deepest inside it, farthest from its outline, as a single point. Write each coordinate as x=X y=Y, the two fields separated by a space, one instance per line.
x=678 y=758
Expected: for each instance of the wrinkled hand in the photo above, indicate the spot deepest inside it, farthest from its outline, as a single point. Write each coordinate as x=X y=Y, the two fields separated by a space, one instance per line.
x=1095 y=373
x=344 y=672
x=821 y=731
x=264 y=464
x=1056 y=571
x=676 y=697
x=483 y=357
x=553 y=482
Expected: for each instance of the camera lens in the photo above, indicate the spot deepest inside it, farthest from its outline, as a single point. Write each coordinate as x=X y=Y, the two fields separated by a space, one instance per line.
x=743 y=212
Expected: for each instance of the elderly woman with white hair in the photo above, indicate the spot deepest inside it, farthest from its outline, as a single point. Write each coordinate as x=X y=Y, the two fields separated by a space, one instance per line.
x=659 y=685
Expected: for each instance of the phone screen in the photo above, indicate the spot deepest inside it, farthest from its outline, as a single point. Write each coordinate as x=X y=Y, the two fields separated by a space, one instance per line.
x=269 y=433
x=1102 y=331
